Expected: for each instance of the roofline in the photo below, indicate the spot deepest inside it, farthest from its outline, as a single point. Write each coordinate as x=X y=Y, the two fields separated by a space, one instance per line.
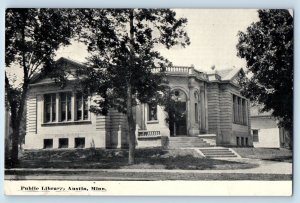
x=71 y=61
x=37 y=77
x=239 y=70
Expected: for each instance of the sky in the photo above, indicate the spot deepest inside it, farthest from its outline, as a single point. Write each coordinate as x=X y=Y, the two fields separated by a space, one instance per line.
x=213 y=35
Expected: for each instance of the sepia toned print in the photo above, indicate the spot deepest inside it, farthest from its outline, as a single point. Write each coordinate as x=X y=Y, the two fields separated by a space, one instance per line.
x=99 y=97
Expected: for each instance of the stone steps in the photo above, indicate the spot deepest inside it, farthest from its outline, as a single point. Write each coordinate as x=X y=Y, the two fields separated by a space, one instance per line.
x=186 y=142
x=218 y=153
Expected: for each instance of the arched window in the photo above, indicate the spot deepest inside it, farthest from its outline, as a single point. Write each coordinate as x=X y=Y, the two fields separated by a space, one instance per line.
x=179 y=95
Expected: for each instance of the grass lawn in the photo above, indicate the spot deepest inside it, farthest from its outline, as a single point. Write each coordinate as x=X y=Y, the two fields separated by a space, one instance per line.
x=270 y=154
x=117 y=159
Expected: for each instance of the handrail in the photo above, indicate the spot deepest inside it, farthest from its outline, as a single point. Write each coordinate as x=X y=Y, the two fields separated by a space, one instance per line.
x=186 y=70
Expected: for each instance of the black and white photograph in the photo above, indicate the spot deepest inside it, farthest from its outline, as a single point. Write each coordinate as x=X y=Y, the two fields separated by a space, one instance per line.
x=167 y=99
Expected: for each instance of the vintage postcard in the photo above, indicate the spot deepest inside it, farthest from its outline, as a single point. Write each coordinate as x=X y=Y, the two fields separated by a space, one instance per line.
x=179 y=102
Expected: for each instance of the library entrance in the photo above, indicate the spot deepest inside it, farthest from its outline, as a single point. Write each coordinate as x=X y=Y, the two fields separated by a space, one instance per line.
x=178 y=114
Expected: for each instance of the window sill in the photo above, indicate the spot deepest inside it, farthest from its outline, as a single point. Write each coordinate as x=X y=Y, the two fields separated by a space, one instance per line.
x=152 y=122
x=67 y=123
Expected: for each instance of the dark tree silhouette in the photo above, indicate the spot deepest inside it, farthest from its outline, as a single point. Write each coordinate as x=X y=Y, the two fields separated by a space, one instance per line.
x=123 y=57
x=267 y=46
x=31 y=38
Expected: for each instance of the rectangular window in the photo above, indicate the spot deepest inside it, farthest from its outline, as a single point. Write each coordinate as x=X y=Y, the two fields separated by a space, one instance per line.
x=255 y=135
x=242 y=141
x=48 y=143
x=50 y=108
x=85 y=107
x=64 y=111
x=152 y=114
x=79 y=106
x=63 y=143
x=237 y=141
x=239 y=110
x=82 y=106
x=65 y=106
x=247 y=142
x=79 y=142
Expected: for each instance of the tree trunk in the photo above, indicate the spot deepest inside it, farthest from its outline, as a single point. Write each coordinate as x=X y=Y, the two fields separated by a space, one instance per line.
x=131 y=123
x=15 y=144
x=17 y=108
x=131 y=127
x=16 y=119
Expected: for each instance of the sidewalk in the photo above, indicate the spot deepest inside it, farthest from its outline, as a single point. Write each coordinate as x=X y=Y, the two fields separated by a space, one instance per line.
x=265 y=167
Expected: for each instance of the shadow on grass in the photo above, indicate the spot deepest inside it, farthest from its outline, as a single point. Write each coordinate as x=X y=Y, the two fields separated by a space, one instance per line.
x=118 y=159
x=267 y=154
x=288 y=159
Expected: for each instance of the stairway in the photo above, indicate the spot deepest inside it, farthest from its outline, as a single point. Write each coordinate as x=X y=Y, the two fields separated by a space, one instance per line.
x=215 y=152
x=187 y=142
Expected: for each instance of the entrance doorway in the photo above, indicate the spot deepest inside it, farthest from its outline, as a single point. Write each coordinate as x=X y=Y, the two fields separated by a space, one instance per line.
x=178 y=113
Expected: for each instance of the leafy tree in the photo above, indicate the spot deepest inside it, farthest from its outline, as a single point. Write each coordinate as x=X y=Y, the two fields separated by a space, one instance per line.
x=123 y=58
x=31 y=38
x=267 y=46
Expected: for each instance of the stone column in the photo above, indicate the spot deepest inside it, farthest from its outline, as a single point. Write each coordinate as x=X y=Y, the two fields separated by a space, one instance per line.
x=206 y=108
x=193 y=128
x=203 y=110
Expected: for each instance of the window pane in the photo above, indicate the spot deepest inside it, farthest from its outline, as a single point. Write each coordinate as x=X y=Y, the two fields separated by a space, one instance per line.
x=63 y=143
x=47 y=112
x=47 y=107
x=79 y=142
x=63 y=97
x=69 y=102
x=63 y=111
x=63 y=107
x=53 y=107
x=85 y=107
x=48 y=143
x=47 y=98
x=152 y=115
x=79 y=106
x=255 y=135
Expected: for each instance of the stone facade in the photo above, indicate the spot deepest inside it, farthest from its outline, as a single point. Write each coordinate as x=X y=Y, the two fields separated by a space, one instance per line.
x=210 y=105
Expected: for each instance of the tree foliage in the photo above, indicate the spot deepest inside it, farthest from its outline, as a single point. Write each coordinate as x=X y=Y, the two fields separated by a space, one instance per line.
x=267 y=46
x=31 y=38
x=123 y=59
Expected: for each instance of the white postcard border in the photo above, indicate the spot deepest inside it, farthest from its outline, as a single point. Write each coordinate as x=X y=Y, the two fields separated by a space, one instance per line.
x=150 y=188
